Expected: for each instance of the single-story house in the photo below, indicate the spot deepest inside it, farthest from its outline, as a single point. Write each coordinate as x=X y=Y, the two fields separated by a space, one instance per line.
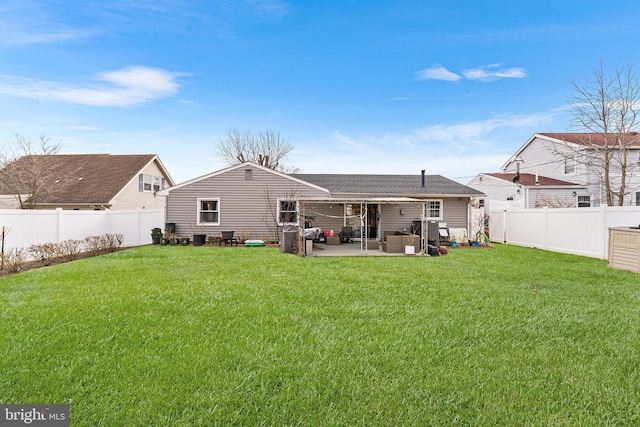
x=530 y=190
x=256 y=202
x=93 y=181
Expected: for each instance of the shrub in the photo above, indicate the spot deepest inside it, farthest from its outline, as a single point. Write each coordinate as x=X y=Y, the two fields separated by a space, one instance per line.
x=13 y=260
x=112 y=242
x=244 y=235
x=46 y=253
x=94 y=244
x=71 y=249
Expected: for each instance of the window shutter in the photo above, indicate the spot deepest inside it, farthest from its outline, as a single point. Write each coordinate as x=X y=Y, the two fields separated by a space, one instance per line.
x=141 y=182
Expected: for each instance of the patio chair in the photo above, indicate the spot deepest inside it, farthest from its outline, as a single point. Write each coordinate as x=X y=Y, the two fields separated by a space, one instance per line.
x=443 y=233
x=346 y=235
x=227 y=238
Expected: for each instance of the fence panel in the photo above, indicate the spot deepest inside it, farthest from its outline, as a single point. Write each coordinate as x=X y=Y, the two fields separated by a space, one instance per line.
x=24 y=228
x=579 y=231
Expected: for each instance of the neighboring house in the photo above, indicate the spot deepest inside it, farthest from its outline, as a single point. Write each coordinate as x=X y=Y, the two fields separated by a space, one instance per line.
x=258 y=202
x=529 y=190
x=100 y=181
x=553 y=155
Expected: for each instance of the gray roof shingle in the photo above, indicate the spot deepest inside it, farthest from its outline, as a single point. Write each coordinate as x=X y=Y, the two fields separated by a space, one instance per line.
x=388 y=185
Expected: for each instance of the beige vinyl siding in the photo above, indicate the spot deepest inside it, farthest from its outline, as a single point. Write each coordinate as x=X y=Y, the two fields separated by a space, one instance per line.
x=328 y=216
x=243 y=203
x=131 y=197
x=399 y=217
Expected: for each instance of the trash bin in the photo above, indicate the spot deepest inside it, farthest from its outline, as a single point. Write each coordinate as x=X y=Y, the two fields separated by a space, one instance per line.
x=199 y=239
x=288 y=243
x=156 y=235
x=170 y=227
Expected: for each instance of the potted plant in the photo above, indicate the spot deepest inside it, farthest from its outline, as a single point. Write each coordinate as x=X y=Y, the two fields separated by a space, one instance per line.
x=198 y=238
x=409 y=249
x=172 y=238
x=184 y=241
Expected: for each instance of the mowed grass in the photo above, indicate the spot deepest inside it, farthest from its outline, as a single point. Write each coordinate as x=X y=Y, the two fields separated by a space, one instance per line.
x=186 y=336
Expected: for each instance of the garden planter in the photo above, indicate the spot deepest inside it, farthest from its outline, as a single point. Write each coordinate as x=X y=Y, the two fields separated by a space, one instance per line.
x=199 y=239
x=409 y=250
x=184 y=241
x=164 y=241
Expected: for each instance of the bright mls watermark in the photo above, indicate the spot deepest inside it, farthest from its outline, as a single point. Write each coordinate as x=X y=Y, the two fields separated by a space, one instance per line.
x=34 y=415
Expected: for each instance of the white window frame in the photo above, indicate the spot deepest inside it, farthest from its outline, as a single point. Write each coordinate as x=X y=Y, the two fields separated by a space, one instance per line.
x=147 y=183
x=199 y=210
x=429 y=209
x=280 y=211
x=578 y=201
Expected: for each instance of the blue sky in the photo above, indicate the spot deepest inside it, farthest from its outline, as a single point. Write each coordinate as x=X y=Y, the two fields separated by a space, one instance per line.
x=452 y=87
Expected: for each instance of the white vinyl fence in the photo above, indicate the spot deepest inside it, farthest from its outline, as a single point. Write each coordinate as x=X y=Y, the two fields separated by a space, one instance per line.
x=580 y=231
x=27 y=227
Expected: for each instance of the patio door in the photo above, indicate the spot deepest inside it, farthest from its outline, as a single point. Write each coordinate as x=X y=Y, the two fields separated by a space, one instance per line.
x=373 y=218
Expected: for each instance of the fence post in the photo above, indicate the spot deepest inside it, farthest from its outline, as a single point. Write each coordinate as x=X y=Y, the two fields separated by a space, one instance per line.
x=605 y=231
x=504 y=225
x=59 y=229
x=139 y=227
x=545 y=216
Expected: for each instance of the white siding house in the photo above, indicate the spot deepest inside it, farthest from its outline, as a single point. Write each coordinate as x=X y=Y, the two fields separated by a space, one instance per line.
x=562 y=156
x=528 y=191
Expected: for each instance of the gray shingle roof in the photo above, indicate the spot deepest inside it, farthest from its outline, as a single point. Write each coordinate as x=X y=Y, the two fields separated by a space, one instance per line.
x=388 y=185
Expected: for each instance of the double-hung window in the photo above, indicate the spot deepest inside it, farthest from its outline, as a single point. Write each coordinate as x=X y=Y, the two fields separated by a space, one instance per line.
x=434 y=209
x=584 y=201
x=208 y=211
x=149 y=183
x=287 y=211
x=148 y=179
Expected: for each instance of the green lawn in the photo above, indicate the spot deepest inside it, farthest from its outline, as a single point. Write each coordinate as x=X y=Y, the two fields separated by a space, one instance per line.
x=248 y=336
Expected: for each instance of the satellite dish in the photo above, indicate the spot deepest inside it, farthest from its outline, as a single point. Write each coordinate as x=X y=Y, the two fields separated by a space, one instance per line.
x=516 y=179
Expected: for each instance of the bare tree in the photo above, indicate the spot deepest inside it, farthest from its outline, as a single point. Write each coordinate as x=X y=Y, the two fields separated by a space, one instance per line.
x=266 y=148
x=547 y=200
x=273 y=217
x=25 y=169
x=606 y=109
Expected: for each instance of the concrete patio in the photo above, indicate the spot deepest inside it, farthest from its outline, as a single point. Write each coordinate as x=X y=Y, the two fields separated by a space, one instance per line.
x=347 y=249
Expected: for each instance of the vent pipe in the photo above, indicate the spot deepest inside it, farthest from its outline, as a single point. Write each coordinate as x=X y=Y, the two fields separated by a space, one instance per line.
x=423 y=177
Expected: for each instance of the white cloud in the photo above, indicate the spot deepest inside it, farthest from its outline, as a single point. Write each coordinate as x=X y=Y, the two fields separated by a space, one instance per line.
x=493 y=72
x=485 y=73
x=457 y=151
x=129 y=86
x=18 y=37
x=437 y=72
x=347 y=142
